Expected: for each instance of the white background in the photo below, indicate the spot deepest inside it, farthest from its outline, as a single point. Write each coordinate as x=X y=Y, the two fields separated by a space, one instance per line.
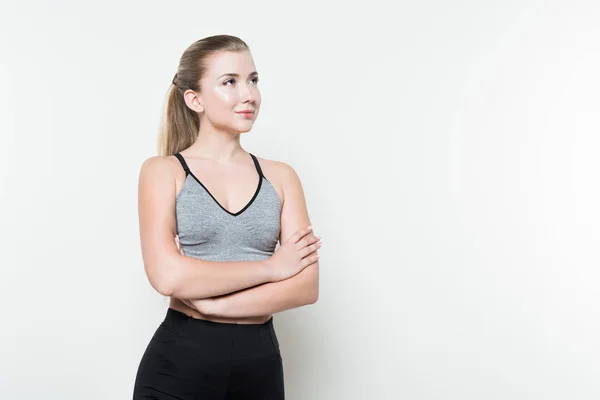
x=449 y=155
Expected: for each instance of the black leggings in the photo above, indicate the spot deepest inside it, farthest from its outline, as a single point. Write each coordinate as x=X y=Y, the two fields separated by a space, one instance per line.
x=194 y=359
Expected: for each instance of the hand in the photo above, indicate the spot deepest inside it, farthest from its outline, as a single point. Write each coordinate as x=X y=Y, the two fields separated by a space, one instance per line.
x=297 y=253
x=203 y=306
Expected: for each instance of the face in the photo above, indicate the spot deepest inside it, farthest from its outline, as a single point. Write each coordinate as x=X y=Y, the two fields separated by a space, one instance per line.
x=230 y=87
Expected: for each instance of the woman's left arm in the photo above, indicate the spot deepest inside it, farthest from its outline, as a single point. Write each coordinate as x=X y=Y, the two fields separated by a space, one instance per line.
x=268 y=298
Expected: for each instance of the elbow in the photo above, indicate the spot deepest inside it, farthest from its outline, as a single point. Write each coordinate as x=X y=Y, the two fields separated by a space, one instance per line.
x=162 y=277
x=162 y=284
x=313 y=296
x=163 y=287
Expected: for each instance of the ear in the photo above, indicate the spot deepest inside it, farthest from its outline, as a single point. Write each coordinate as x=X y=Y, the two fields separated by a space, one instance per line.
x=193 y=101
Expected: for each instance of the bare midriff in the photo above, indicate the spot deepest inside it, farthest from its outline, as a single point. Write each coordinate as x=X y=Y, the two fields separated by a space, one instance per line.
x=178 y=305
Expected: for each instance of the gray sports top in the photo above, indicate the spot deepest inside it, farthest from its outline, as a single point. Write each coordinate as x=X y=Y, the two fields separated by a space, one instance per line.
x=208 y=231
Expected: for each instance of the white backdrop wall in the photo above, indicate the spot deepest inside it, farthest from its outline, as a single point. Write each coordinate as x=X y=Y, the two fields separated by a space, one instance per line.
x=449 y=156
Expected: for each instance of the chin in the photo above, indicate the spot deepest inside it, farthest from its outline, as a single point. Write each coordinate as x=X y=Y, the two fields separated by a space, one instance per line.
x=246 y=128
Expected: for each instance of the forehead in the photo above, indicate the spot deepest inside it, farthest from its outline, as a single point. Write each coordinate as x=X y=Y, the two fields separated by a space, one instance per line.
x=230 y=62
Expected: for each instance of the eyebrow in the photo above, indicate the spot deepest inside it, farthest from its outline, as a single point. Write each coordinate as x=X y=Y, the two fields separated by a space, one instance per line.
x=237 y=75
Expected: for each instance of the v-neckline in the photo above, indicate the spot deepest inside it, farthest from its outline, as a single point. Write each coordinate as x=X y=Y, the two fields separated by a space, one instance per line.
x=234 y=214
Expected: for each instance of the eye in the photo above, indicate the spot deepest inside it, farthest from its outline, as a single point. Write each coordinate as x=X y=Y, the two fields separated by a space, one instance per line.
x=255 y=79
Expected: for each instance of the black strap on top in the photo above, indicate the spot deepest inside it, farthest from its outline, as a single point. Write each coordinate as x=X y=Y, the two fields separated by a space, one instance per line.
x=257 y=165
x=187 y=169
x=183 y=163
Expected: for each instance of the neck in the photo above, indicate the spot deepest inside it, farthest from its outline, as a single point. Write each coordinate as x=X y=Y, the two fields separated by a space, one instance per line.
x=216 y=146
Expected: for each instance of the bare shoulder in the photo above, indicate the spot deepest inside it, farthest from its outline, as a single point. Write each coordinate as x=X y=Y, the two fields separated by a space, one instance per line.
x=162 y=169
x=277 y=169
x=281 y=175
x=157 y=164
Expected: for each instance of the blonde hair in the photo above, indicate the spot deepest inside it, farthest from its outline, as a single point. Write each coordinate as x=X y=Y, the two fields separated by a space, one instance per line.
x=179 y=124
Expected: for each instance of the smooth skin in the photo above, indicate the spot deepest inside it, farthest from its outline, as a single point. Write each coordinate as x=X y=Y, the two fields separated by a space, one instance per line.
x=245 y=292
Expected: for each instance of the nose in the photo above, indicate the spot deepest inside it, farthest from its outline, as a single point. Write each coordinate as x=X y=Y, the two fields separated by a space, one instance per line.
x=246 y=95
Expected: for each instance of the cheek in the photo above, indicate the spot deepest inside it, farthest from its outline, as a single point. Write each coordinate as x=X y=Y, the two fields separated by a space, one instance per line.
x=225 y=97
x=257 y=98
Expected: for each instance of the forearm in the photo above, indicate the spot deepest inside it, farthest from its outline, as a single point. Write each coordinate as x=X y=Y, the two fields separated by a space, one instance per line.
x=193 y=278
x=297 y=291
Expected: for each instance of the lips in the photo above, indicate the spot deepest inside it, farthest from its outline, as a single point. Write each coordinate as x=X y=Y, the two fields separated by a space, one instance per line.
x=245 y=112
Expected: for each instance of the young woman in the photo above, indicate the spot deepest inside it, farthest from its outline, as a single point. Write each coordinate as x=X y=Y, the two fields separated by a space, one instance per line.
x=211 y=215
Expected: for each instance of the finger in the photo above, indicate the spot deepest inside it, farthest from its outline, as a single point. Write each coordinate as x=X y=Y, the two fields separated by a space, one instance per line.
x=300 y=233
x=306 y=261
x=307 y=241
x=308 y=250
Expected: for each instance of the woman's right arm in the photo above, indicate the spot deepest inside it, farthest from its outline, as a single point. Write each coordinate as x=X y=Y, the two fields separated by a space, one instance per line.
x=169 y=272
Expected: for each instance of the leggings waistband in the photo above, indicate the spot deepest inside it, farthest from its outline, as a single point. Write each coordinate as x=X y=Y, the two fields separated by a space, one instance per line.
x=177 y=317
